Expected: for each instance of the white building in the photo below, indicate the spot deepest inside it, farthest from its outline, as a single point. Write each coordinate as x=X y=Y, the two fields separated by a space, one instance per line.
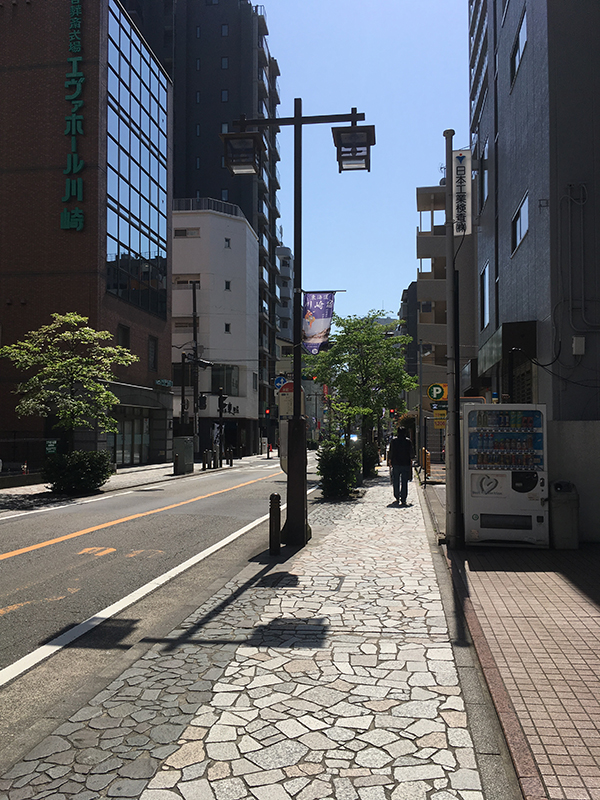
x=216 y=249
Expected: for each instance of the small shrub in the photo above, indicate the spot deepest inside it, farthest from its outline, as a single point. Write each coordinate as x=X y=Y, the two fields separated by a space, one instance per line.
x=370 y=459
x=79 y=472
x=338 y=467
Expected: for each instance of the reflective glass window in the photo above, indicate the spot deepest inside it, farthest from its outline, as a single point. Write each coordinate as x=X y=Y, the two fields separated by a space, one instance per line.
x=145 y=211
x=135 y=111
x=162 y=144
x=144 y=184
x=112 y=154
x=145 y=72
x=113 y=27
x=123 y=134
x=134 y=175
x=123 y=233
x=113 y=55
x=134 y=147
x=125 y=38
x=113 y=84
x=154 y=167
x=162 y=226
x=113 y=123
x=134 y=203
x=124 y=164
x=112 y=223
x=124 y=97
x=112 y=183
x=123 y=193
x=135 y=56
x=162 y=177
x=145 y=123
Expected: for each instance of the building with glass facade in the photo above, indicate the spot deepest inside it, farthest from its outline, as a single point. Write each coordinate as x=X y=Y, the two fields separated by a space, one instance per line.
x=86 y=182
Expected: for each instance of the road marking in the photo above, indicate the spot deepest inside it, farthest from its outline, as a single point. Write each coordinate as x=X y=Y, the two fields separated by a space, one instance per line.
x=148 y=553
x=45 y=651
x=74 y=535
x=97 y=551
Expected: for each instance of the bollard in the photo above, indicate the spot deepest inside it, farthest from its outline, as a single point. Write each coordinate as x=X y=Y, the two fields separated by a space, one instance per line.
x=204 y=461
x=274 y=524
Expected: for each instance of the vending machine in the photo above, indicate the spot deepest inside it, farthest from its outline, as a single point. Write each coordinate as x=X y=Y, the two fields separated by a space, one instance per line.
x=505 y=484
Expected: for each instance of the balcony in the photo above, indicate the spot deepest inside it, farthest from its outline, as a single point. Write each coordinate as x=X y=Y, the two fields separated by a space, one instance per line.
x=262 y=20
x=431 y=244
x=430 y=288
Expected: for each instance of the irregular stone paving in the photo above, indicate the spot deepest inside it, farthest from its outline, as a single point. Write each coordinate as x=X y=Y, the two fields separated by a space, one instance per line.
x=328 y=676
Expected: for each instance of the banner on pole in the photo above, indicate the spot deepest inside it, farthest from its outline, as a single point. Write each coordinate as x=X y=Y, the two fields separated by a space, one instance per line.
x=461 y=191
x=316 y=320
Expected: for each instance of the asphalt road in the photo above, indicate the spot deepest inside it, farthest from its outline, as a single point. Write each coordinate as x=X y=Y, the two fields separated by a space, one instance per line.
x=60 y=566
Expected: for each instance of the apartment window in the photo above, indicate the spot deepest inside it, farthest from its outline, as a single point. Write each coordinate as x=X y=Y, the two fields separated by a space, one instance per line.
x=225 y=197
x=197 y=162
x=197 y=97
x=224 y=95
x=227 y=286
x=520 y=224
x=255 y=381
x=198 y=132
x=224 y=127
x=227 y=241
x=224 y=30
x=484 y=297
x=516 y=55
x=225 y=63
x=123 y=335
x=197 y=31
x=153 y=354
x=198 y=64
x=227 y=378
x=227 y=327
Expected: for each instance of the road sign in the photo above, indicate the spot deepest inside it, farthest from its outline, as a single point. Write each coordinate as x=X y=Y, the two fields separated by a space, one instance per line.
x=438 y=391
x=279 y=381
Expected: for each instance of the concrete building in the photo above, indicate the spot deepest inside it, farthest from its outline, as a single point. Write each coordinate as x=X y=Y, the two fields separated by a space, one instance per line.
x=534 y=80
x=215 y=248
x=217 y=53
x=423 y=310
x=85 y=207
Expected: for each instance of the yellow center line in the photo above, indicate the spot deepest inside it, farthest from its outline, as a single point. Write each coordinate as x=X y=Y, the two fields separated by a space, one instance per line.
x=128 y=519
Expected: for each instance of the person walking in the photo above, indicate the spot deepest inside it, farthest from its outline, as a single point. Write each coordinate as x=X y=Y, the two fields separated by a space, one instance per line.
x=400 y=457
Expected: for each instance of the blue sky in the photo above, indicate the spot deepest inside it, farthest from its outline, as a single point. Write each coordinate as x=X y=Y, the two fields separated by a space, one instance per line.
x=405 y=65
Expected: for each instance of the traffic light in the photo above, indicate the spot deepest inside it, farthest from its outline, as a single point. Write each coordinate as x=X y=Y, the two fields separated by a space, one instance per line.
x=267 y=412
x=222 y=401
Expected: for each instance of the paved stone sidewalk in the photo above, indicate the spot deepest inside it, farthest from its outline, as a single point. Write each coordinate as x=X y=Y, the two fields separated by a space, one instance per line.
x=329 y=675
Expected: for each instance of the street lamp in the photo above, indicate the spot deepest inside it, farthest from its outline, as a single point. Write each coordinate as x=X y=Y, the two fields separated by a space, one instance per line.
x=243 y=156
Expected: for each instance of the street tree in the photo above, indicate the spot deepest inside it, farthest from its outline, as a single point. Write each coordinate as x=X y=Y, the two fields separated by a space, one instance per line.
x=364 y=371
x=68 y=369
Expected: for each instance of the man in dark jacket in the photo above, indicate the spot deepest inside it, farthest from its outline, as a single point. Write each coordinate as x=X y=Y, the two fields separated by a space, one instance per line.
x=400 y=458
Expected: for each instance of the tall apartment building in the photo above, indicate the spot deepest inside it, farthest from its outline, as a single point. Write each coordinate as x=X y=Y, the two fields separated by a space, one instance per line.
x=423 y=311
x=535 y=128
x=85 y=207
x=218 y=56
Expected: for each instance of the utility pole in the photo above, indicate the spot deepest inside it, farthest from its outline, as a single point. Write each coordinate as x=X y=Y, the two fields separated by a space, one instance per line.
x=195 y=366
x=454 y=521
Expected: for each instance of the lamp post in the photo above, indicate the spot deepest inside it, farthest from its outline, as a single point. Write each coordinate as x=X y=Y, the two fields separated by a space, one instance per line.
x=243 y=156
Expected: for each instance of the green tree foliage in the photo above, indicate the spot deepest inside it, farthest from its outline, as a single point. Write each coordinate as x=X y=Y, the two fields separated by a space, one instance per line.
x=363 y=370
x=68 y=370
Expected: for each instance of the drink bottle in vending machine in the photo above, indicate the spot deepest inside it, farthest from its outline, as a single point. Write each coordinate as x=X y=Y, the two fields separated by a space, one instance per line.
x=505 y=475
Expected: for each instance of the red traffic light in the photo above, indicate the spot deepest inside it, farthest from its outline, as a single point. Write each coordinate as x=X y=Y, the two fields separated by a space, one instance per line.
x=267 y=411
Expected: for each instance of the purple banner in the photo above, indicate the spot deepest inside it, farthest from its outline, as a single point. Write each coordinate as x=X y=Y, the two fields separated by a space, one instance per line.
x=316 y=320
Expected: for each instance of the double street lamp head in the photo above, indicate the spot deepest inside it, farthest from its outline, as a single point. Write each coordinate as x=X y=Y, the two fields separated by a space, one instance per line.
x=244 y=150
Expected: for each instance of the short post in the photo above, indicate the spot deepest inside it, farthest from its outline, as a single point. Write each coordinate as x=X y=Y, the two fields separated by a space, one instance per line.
x=274 y=524
x=204 y=459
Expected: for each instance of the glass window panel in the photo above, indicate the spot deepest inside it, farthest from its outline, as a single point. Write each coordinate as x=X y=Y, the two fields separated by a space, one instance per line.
x=134 y=175
x=125 y=38
x=154 y=218
x=124 y=165
x=134 y=147
x=154 y=83
x=134 y=203
x=162 y=120
x=145 y=97
x=113 y=55
x=124 y=69
x=113 y=27
x=112 y=152
x=112 y=122
x=112 y=183
x=123 y=134
x=124 y=193
x=124 y=97
x=162 y=144
x=134 y=84
x=112 y=223
x=113 y=84
x=144 y=184
x=145 y=211
x=162 y=226
x=144 y=244
x=145 y=123
x=154 y=167
x=135 y=56
x=145 y=71
x=134 y=112
x=162 y=177
x=134 y=240
x=123 y=233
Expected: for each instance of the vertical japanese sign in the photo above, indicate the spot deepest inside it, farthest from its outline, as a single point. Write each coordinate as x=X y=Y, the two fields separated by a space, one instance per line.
x=461 y=190
x=316 y=320
x=72 y=218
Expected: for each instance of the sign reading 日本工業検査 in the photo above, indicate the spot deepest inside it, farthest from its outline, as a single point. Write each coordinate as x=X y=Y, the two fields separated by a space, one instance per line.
x=461 y=191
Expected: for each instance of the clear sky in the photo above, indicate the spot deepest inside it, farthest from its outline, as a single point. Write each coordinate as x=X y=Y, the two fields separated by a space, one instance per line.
x=405 y=65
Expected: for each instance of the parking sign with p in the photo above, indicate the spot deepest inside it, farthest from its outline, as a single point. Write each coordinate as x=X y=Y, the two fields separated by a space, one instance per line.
x=438 y=391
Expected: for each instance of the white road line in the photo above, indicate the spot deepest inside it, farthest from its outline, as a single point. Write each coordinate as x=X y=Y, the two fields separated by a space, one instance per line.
x=45 y=651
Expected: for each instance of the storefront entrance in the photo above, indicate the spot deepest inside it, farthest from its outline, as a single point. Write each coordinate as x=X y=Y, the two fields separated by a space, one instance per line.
x=131 y=444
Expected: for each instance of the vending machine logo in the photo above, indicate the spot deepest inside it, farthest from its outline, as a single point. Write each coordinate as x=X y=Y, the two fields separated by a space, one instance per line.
x=488 y=485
